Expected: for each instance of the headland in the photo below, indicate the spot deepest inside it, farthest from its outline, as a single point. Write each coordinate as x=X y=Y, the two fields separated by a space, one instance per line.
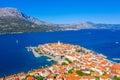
x=74 y=62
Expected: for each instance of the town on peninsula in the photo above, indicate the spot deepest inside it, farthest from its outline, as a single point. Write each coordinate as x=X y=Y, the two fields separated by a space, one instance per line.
x=73 y=62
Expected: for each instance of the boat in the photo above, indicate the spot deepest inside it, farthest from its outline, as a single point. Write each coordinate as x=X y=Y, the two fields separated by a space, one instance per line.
x=116 y=42
x=17 y=41
x=49 y=59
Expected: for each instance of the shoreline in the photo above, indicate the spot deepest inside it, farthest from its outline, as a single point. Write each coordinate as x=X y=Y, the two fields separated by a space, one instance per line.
x=36 y=54
x=33 y=51
x=55 y=31
x=99 y=54
x=69 y=56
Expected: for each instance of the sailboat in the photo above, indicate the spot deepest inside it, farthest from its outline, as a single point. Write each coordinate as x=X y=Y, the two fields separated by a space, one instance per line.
x=17 y=41
x=49 y=59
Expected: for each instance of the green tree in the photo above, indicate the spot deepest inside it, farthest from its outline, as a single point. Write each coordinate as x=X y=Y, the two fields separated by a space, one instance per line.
x=80 y=73
x=70 y=71
x=97 y=78
x=69 y=61
x=64 y=63
x=39 y=78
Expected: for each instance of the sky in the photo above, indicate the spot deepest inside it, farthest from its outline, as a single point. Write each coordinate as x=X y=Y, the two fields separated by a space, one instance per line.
x=69 y=11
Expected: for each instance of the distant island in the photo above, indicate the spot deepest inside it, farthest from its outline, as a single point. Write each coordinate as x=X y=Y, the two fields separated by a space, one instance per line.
x=14 y=21
x=74 y=62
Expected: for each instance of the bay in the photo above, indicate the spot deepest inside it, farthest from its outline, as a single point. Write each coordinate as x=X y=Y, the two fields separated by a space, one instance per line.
x=15 y=58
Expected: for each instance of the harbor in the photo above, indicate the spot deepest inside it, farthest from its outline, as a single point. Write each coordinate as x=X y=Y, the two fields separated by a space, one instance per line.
x=33 y=50
x=73 y=61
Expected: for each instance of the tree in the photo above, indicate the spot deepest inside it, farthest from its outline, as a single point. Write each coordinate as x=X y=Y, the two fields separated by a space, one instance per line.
x=39 y=78
x=116 y=78
x=69 y=61
x=64 y=63
x=70 y=71
x=80 y=73
x=97 y=78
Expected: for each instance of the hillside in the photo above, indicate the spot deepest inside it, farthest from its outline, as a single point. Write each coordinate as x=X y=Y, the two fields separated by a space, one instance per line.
x=13 y=20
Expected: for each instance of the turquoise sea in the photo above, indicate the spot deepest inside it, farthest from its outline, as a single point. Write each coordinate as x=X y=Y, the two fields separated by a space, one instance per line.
x=15 y=58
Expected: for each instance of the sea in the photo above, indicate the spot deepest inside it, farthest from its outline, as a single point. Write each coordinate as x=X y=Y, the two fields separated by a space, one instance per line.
x=15 y=58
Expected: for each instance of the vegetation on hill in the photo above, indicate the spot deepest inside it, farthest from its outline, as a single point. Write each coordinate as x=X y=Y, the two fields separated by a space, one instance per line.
x=12 y=20
x=9 y=25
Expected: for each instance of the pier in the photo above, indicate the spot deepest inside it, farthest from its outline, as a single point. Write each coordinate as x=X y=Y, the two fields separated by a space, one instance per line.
x=33 y=49
x=37 y=54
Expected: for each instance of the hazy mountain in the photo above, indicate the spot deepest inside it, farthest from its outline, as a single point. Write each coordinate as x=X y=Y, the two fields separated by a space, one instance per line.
x=13 y=12
x=79 y=25
x=89 y=25
x=12 y=20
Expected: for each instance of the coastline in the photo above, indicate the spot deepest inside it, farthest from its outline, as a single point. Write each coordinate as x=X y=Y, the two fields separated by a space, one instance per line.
x=79 y=44
x=12 y=33
x=70 y=56
x=54 y=31
x=36 y=54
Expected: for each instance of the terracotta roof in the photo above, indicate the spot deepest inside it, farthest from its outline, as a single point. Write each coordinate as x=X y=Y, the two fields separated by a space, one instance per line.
x=104 y=77
x=22 y=74
x=9 y=77
x=1 y=78
x=94 y=73
x=30 y=78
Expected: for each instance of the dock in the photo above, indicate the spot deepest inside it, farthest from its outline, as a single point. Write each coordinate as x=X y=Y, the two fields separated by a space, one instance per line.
x=36 y=54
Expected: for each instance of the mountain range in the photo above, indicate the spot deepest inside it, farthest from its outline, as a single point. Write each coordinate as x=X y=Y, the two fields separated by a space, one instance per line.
x=13 y=20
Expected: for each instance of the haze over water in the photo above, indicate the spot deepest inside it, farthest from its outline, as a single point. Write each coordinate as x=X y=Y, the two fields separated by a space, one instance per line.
x=15 y=58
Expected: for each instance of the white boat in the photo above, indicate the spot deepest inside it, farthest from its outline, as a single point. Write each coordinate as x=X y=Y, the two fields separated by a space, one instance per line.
x=49 y=59
x=116 y=42
x=17 y=41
